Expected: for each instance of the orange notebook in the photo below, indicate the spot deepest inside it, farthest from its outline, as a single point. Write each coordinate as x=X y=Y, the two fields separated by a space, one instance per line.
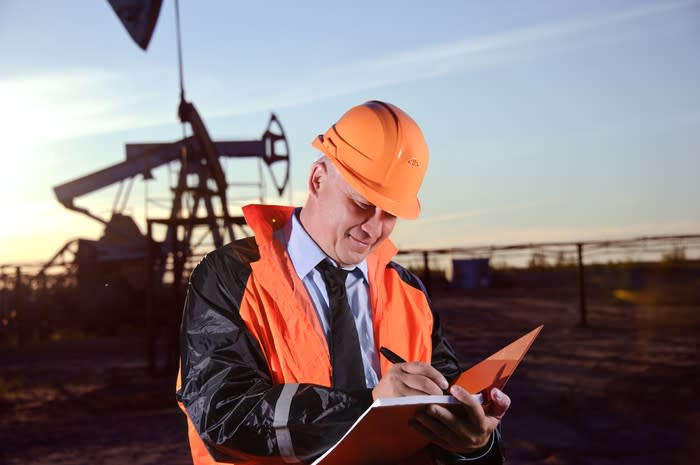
x=383 y=433
x=495 y=370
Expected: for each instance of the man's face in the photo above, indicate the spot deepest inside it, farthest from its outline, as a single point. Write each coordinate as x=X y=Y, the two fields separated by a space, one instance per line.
x=352 y=227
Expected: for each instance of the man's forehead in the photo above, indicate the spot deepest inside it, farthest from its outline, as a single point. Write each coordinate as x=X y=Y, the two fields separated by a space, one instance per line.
x=343 y=185
x=352 y=193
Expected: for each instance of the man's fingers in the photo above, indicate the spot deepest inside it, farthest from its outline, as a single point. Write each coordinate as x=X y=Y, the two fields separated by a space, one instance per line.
x=498 y=405
x=436 y=439
x=410 y=378
x=425 y=370
x=450 y=432
x=419 y=385
x=464 y=397
x=432 y=429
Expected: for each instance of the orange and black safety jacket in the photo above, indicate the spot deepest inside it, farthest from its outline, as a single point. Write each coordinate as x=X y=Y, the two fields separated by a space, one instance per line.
x=255 y=370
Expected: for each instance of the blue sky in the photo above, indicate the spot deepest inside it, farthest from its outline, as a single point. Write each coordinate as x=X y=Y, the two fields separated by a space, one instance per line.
x=546 y=120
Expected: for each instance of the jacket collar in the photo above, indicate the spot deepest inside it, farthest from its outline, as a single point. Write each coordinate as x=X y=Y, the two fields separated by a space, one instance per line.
x=265 y=220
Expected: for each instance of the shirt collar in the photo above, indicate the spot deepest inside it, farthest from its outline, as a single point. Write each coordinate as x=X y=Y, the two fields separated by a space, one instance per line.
x=304 y=253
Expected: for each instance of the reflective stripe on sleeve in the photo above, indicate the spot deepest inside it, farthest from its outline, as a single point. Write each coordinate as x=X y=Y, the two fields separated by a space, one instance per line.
x=284 y=438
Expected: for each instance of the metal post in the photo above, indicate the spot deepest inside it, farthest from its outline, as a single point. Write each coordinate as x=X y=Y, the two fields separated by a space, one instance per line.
x=172 y=327
x=150 y=336
x=3 y=294
x=18 y=307
x=44 y=318
x=581 y=286
x=426 y=270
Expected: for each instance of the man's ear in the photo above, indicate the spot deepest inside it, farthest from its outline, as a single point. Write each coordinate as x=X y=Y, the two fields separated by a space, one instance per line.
x=318 y=175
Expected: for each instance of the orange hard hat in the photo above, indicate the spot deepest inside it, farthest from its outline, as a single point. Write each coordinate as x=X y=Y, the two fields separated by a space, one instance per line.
x=380 y=151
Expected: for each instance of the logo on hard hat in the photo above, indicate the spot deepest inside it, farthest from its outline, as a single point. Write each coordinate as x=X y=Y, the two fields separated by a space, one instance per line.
x=413 y=162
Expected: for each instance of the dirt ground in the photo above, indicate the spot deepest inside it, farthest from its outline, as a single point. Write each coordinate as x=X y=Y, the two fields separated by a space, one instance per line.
x=622 y=390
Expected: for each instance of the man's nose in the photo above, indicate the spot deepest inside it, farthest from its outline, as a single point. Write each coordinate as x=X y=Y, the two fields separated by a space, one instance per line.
x=373 y=223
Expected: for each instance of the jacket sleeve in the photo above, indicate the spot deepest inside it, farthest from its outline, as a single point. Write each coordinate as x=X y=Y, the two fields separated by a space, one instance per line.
x=226 y=387
x=444 y=359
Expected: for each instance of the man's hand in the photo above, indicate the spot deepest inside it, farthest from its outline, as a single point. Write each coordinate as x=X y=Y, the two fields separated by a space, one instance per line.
x=410 y=379
x=468 y=427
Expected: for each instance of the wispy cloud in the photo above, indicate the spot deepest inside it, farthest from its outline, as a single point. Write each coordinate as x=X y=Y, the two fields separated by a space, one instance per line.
x=73 y=103
x=464 y=237
x=464 y=214
x=411 y=234
x=658 y=123
x=444 y=58
x=88 y=101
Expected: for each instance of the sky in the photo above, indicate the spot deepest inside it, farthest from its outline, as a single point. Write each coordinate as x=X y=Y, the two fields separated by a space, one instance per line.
x=546 y=120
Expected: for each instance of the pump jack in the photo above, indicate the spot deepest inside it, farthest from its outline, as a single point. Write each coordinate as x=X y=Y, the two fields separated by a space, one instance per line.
x=201 y=185
x=125 y=261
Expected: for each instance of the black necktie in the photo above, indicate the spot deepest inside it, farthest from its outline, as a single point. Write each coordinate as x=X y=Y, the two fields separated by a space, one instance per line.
x=344 y=345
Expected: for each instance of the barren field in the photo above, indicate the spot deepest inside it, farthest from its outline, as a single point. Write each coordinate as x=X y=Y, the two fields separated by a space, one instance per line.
x=622 y=390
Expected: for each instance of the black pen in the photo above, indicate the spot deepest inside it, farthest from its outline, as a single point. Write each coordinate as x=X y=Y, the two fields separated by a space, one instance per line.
x=391 y=356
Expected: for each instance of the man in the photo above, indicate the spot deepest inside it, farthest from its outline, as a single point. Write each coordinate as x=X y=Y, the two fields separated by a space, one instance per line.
x=280 y=332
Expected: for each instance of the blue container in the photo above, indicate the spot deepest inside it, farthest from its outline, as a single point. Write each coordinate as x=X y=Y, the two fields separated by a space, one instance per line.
x=473 y=273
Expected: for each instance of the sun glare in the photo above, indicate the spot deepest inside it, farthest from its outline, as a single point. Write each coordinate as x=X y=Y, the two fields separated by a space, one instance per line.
x=25 y=124
x=20 y=127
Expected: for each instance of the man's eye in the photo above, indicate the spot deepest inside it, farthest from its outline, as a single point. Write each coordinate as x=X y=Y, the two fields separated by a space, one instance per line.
x=363 y=206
